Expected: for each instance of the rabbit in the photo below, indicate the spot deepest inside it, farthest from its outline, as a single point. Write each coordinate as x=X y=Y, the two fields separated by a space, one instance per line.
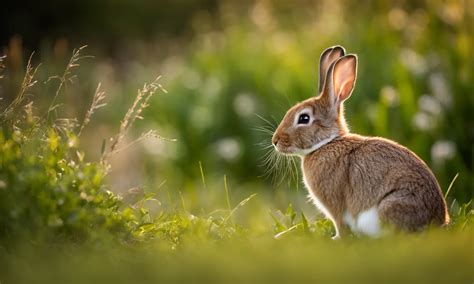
x=362 y=184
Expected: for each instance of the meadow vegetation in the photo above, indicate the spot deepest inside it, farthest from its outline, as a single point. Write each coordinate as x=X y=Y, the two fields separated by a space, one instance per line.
x=106 y=179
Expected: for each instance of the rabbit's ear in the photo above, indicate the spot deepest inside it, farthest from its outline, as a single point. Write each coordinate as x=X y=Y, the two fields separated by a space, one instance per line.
x=328 y=56
x=340 y=80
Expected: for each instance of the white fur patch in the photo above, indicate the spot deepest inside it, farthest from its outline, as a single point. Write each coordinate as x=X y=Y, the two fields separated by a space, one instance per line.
x=304 y=152
x=366 y=223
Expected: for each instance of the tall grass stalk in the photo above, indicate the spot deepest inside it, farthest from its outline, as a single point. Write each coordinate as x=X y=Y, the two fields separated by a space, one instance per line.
x=66 y=77
x=97 y=103
x=202 y=175
x=140 y=103
x=451 y=185
x=28 y=82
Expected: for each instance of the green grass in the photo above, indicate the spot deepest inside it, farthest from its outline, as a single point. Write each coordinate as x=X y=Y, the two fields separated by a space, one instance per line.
x=431 y=257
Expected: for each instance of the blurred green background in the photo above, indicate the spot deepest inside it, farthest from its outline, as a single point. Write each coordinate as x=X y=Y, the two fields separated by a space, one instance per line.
x=223 y=62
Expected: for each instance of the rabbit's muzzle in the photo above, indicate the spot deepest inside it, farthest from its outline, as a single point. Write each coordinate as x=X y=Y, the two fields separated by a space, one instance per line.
x=281 y=142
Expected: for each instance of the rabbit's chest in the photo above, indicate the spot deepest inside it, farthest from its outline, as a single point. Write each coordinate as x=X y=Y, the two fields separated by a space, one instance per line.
x=319 y=199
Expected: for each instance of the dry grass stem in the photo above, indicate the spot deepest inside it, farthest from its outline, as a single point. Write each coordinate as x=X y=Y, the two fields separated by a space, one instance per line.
x=140 y=103
x=145 y=135
x=97 y=103
x=66 y=77
x=27 y=83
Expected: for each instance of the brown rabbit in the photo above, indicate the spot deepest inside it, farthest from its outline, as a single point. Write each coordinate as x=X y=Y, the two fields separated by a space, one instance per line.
x=357 y=182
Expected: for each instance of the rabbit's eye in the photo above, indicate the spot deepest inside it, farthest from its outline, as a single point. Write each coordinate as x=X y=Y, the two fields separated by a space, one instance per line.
x=303 y=119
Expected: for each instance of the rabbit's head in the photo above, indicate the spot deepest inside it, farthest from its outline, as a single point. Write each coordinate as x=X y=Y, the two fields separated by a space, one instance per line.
x=316 y=121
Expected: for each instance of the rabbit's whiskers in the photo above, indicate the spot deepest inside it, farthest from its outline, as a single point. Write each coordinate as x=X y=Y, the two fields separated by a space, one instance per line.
x=277 y=166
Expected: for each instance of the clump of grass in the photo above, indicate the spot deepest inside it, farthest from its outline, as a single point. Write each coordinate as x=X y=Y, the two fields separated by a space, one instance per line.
x=48 y=192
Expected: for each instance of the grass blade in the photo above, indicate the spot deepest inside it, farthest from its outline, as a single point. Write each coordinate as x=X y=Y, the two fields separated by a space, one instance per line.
x=451 y=185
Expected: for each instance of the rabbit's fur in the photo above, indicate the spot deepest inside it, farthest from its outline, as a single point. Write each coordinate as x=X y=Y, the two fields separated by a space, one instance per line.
x=358 y=182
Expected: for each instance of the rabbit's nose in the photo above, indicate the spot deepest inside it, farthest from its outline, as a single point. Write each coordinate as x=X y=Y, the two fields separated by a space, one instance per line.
x=275 y=140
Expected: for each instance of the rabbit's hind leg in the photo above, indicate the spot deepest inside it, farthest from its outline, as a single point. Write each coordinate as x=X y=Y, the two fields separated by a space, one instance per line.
x=405 y=210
